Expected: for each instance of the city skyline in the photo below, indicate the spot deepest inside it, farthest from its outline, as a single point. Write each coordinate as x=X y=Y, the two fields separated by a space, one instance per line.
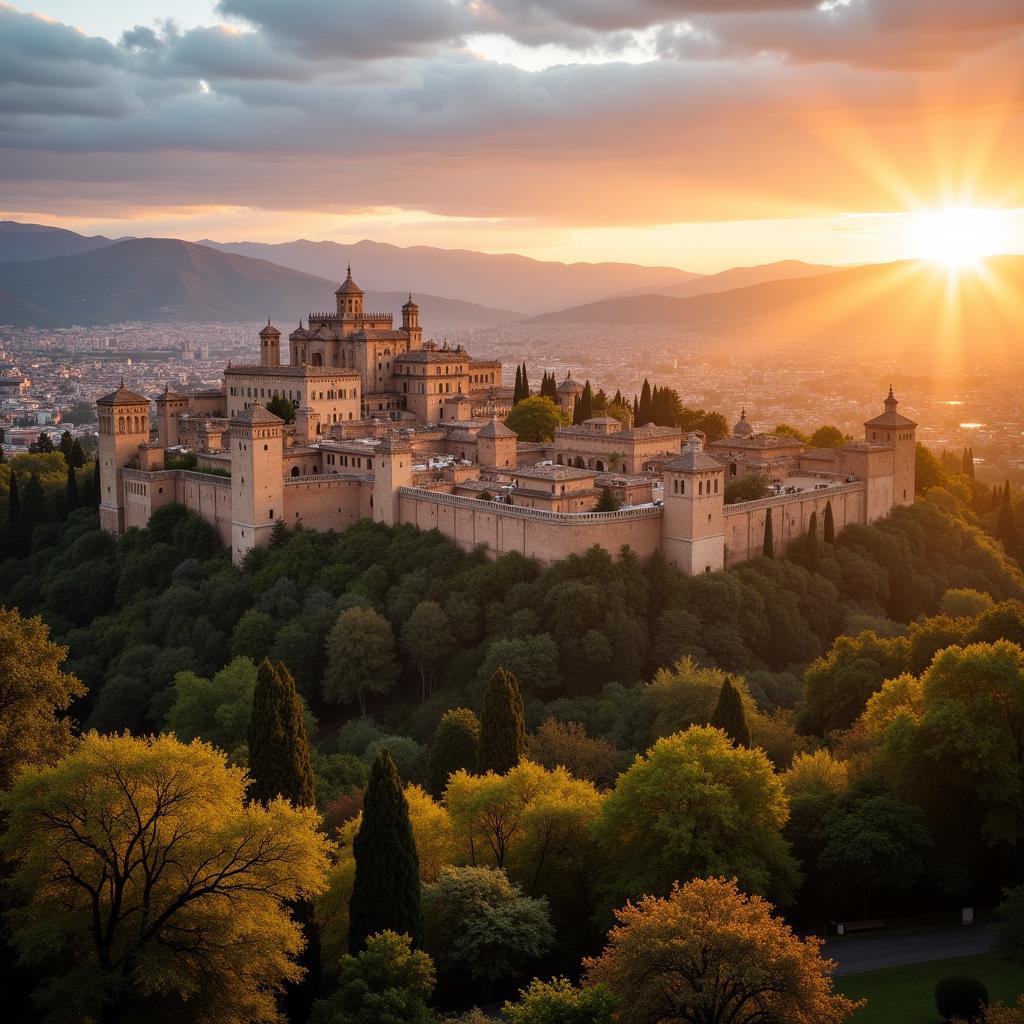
x=688 y=134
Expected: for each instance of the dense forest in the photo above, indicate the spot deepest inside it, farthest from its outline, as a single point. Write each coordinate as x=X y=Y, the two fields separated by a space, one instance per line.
x=501 y=754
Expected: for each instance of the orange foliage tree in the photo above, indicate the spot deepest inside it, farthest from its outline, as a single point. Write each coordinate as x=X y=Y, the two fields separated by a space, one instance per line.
x=709 y=954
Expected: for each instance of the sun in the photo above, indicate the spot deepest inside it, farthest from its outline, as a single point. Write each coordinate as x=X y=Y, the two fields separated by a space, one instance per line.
x=958 y=237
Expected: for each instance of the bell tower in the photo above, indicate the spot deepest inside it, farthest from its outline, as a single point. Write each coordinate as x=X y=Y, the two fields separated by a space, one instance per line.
x=123 y=420
x=270 y=345
x=350 y=298
x=693 y=527
x=257 y=478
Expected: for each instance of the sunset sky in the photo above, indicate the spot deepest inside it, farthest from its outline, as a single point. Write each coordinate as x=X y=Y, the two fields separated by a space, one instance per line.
x=697 y=133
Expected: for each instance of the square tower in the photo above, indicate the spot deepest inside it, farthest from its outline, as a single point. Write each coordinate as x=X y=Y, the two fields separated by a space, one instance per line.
x=900 y=433
x=123 y=421
x=257 y=478
x=693 y=529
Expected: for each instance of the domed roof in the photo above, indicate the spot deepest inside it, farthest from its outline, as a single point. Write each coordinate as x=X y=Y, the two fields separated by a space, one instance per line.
x=270 y=331
x=348 y=286
x=742 y=427
x=569 y=385
x=410 y=304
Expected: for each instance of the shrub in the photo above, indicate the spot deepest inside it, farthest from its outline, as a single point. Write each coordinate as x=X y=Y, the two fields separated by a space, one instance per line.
x=960 y=997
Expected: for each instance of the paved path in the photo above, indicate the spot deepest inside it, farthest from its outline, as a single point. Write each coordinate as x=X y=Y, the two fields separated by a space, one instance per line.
x=859 y=954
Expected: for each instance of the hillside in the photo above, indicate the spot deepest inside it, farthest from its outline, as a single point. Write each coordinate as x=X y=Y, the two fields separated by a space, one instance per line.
x=505 y=281
x=907 y=303
x=167 y=279
x=40 y=241
x=736 y=277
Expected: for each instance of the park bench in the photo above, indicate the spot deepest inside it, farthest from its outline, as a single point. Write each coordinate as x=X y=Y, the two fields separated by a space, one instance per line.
x=846 y=927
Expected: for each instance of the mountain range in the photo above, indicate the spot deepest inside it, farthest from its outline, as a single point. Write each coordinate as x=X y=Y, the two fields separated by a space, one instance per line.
x=901 y=303
x=166 y=279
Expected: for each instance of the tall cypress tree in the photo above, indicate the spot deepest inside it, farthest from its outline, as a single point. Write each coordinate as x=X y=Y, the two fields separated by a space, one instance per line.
x=812 y=541
x=645 y=412
x=33 y=507
x=830 y=523
x=517 y=392
x=77 y=454
x=71 y=501
x=576 y=409
x=587 y=402
x=502 y=732
x=67 y=442
x=278 y=747
x=386 y=889
x=636 y=412
x=455 y=745
x=13 y=504
x=279 y=767
x=526 y=382
x=729 y=715
x=768 y=545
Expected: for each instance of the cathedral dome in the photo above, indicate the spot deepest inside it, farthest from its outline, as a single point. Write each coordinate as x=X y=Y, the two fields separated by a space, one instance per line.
x=742 y=428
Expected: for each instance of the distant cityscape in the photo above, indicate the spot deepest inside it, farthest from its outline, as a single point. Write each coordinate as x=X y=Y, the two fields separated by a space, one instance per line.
x=49 y=378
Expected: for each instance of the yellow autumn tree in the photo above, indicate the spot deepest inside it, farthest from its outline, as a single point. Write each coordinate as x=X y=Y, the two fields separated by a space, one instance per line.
x=33 y=694
x=151 y=890
x=708 y=954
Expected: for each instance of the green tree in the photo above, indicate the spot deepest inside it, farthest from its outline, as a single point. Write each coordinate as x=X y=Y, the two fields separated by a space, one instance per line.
x=13 y=506
x=567 y=743
x=427 y=639
x=874 y=844
x=827 y=437
x=481 y=927
x=278 y=746
x=586 y=403
x=360 y=657
x=77 y=459
x=749 y=487
x=71 y=501
x=526 y=381
x=517 y=391
x=217 y=710
x=708 y=954
x=786 y=430
x=645 y=409
x=455 y=746
x=729 y=716
x=151 y=889
x=66 y=444
x=386 y=887
x=606 y=502
x=283 y=408
x=502 y=732
x=42 y=445
x=768 y=544
x=534 y=419
x=1009 y=929
x=696 y=805
x=33 y=507
x=968 y=463
x=830 y=524
x=388 y=982
x=558 y=1001
x=97 y=491
x=34 y=696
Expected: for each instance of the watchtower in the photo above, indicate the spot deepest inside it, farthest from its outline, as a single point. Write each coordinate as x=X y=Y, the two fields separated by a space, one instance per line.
x=123 y=421
x=693 y=530
x=894 y=429
x=496 y=445
x=349 y=297
x=257 y=478
x=392 y=468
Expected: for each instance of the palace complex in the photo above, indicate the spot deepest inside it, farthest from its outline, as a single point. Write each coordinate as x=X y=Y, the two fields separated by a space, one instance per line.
x=399 y=430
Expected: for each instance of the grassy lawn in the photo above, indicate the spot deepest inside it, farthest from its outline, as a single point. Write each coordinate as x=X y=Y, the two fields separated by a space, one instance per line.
x=906 y=995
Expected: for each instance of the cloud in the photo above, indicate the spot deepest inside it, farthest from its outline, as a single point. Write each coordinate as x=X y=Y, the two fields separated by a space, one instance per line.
x=774 y=109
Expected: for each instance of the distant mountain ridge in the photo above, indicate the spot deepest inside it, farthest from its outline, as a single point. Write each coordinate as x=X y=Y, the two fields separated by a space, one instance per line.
x=902 y=302
x=41 y=241
x=166 y=279
x=737 y=277
x=506 y=281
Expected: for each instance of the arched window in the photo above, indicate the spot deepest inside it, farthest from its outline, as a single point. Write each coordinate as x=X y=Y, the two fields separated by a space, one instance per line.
x=120 y=424
x=295 y=470
x=700 y=487
x=599 y=466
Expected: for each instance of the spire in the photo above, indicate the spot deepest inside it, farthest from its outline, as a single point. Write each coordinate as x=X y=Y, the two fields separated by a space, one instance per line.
x=890 y=402
x=348 y=273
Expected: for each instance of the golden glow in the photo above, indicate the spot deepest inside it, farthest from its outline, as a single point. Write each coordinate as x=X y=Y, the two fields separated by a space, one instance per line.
x=958 y=237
